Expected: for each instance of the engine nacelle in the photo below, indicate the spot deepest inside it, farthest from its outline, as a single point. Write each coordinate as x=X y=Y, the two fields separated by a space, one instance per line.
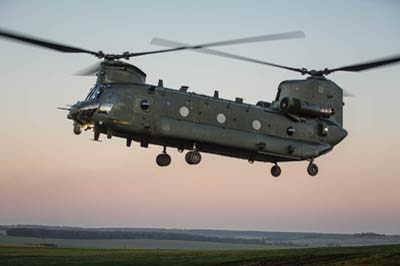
x=298 y=107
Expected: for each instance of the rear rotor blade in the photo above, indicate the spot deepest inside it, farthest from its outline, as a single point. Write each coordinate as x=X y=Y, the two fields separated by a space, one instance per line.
x=369 y=65
x=346 y=93
x=168 y=43
x=269 y=37
x=43 y=43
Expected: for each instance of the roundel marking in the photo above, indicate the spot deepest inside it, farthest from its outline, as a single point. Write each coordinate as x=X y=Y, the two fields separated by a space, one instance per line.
x=184 y=111
x=221 y=118
x=256 y=124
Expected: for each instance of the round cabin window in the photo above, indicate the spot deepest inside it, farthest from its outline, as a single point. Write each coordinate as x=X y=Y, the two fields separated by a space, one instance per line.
x=290 y=131
x=144 y=104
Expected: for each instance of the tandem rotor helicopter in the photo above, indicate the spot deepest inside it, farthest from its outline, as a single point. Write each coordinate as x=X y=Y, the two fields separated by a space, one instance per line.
x=303 y=122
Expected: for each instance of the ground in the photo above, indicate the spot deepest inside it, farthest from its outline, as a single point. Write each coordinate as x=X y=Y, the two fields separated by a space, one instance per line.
x=345 y=256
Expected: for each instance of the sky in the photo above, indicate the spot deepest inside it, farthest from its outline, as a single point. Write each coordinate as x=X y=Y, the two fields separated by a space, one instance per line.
x=50 y=176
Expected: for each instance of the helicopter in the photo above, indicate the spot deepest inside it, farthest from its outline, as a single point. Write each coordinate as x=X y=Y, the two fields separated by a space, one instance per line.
x=303 y=122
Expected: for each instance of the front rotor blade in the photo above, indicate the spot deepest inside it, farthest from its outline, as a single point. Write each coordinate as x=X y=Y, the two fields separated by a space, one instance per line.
x=168 y=43
x=90 y=70
x=369 y=65
x=43 y=43
x=262 y=38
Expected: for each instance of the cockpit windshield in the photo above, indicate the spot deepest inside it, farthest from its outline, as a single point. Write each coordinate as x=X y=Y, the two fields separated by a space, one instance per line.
x=94 y=93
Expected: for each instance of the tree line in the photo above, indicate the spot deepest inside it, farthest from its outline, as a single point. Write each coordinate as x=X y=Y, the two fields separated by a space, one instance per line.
x=86 y=234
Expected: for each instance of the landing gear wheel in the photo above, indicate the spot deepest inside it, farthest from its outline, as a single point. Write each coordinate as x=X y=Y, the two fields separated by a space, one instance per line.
x=109 y=134
x=163 y=159
x=193 y=157
x=312 y=169
x=77 y=129
x=276 y=170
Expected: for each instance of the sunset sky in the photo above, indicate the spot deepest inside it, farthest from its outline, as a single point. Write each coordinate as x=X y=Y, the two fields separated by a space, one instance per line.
x=50 y=176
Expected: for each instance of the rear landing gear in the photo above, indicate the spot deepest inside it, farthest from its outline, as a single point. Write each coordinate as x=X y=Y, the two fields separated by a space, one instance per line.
x=276 y=170
x=312 y=169
x=163 y=159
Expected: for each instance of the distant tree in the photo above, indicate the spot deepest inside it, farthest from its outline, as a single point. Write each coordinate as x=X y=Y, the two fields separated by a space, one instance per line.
x=91 y=234
x=368 y=234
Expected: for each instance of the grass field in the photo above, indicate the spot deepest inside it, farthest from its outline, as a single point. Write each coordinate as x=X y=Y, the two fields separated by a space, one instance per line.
x=372 y=255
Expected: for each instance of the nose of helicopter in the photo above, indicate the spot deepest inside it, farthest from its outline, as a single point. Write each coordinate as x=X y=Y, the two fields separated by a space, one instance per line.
x=73 y=112
x=82 y=114
x=81 y=109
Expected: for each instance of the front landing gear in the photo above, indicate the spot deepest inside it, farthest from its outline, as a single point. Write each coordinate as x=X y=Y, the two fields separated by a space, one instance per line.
x=163 y=159
x=77 y=128
x=193 y=157
x=312 y=169
x=276 y=170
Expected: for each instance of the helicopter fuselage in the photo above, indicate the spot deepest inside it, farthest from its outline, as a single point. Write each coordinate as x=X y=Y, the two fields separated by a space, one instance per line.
x=152 y=114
